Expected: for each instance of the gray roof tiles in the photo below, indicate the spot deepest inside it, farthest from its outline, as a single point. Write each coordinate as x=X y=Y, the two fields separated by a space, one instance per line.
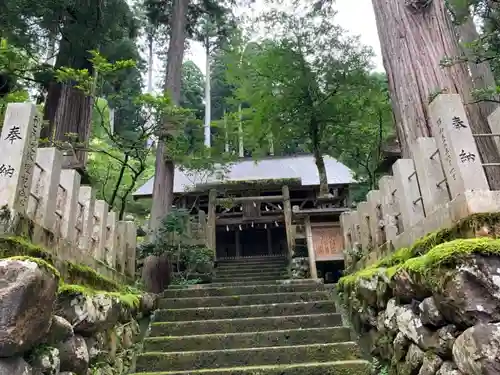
x=300 y=167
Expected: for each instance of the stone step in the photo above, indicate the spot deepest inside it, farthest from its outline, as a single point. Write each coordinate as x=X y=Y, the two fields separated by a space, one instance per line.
x=354 y=367
x=250 y=311
x=243 y=300
x=251 y=269
x=253 y=260
x=273 y=323
x=247 y=340
x=245 y=273
x=238 y=290
x=157 y=361
x=249 y=279
x=242 y=283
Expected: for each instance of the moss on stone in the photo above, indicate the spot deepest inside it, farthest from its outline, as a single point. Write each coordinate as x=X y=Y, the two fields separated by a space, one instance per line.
x=444 y=255
x=451 y=253
x=128 y=299
x=366 y=273
x=464 y=228
x=89 y=277
x=40 y=262
x=449 y=243
x=13 y=246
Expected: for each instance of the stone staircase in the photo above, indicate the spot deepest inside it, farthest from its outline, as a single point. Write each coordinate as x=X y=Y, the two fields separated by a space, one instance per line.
x=250 y=321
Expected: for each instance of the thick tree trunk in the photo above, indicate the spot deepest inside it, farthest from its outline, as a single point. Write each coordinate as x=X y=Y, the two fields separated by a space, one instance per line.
x=163 y=188
x=415 y=37
x=72 y=123
x=69 y=110
x=156 y=273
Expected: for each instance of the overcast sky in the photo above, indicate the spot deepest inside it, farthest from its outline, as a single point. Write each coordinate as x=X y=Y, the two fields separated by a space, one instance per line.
x=356 y=16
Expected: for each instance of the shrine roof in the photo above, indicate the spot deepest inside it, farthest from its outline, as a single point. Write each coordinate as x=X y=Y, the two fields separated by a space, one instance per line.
x=299 y=167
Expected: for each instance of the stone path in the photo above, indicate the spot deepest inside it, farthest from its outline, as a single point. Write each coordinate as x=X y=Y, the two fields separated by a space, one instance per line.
x=250 y=321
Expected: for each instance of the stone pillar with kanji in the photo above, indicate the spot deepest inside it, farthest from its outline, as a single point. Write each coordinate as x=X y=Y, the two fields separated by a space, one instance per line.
x=18 y=142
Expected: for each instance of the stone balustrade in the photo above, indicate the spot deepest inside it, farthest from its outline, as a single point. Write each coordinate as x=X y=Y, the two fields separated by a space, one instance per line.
x=35 y=187
x=444 y=182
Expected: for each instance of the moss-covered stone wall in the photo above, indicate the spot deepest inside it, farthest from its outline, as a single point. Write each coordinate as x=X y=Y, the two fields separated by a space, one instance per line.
x=482 y=224
x=50 y=326
x=60 y=250
x=72 y=273
x=432 y=308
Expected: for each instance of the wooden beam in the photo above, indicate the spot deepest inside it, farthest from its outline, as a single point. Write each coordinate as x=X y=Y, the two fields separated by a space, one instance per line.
x=211 y=239
x=321 y=211
x=287 y=208
x=310 y=249
x=248 y=220
x=256 y=199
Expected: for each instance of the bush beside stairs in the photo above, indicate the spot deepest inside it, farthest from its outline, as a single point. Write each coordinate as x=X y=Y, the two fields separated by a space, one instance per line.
x=250 y=321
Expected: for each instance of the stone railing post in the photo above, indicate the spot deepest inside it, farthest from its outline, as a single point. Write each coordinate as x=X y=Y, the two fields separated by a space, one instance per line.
x=45 y=182
x=99 y=229
x=87 y=198
x=110 y=249
x=363 y=210
x=390 y=207
x=407 y=193
x=374 y=200
x=130 y=248
x=461 y=162
x=70 y=186
x=18 y=142
x=431 y=178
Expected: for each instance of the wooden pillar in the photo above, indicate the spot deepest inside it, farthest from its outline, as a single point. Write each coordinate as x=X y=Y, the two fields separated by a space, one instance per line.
x=211 y=240
x=287 y=210
x=310 y=249
x=238 y=243
x=269 y=242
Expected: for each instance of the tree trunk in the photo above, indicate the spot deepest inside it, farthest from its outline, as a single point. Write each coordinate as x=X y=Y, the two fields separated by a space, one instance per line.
x=69 y=110
x=414 y=39
x=73 y=118
x=150 y=63
x=156 y=273
x=118 y=182
x=163 y=188
x=323 y=178
x=207 y=94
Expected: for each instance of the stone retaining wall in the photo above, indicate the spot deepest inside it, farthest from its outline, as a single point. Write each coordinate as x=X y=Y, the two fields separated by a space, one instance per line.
x=50 y=328
x=436 y=311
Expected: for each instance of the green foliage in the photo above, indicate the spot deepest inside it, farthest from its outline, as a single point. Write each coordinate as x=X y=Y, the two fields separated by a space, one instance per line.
x=83 y=79
x=485 y=48
x=310 y=93
x=192 y=88
x=173 y=239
